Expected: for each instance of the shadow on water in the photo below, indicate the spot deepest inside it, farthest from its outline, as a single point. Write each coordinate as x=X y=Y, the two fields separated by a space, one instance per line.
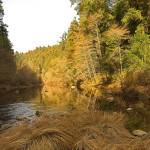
x=138 y=116
x=56 y=99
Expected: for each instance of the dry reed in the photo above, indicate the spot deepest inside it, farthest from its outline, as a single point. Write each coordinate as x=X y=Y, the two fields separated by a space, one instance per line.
x=73 y=131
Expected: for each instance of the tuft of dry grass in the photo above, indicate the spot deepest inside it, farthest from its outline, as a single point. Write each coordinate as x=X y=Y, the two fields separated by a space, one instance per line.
x=73 y=131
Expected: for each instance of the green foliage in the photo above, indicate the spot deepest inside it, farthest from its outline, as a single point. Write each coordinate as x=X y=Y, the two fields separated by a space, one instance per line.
x=7 y=61
x=132 y=15
x=140 y=43
x=73 y=30
x=119 y=9
x=131 y=61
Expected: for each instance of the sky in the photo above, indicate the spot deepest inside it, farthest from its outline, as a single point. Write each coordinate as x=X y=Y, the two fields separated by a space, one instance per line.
x=34 y=23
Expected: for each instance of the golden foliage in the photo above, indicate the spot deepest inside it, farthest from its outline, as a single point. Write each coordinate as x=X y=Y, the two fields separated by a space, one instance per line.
x=118 y=32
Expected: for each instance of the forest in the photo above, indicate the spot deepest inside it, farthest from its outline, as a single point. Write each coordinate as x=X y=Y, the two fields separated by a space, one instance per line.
x=98 y=75
x=109 y=43
x=7 y=61
x=11 y=76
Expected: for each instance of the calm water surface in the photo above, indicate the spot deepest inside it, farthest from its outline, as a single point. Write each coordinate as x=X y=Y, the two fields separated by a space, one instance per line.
x=55 y=100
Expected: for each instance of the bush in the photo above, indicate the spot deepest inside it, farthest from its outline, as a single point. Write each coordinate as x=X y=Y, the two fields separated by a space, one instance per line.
x=140 y=77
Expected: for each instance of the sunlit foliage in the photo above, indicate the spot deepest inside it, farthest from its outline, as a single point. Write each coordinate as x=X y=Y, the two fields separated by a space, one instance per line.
x=110 y=38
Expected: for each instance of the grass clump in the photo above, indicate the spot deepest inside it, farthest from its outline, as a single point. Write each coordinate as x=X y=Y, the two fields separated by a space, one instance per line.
x=73 y=131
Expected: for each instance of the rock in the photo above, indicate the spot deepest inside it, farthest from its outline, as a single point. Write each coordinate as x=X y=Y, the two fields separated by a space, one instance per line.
x=38 y=113
x=139 y=133
x=19 y=118
x=12 y=109
x=109 y=91
x=12 y=122
x=6 y=126
x=62 y=115
x=129 y=109
x=23 y=119
x=31 y=116
x=110 y=99
x=17 y=92
x=73 y=108
x=26 y=120
x=115 y=89
x=115 y=113
x=73 y=87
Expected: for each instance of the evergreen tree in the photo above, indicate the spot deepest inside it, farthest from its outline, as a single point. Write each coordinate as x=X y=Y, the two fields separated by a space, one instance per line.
x=7 y=62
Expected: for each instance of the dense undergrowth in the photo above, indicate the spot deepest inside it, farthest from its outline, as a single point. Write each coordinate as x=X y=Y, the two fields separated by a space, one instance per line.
x=73 y=130
x=136 y=83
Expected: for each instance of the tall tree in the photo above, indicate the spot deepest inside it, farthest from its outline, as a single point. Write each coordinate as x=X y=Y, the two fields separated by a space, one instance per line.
x=118 y=34
x=7 y=62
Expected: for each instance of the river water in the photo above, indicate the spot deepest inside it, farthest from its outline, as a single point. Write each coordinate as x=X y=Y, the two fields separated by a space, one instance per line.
x=55 y=100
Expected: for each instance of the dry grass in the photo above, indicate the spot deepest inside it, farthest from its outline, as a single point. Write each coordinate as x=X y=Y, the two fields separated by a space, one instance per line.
x=73 y=131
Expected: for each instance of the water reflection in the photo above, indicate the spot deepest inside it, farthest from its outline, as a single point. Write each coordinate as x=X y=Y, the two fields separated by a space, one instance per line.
x=13 y=105
x=49 y=99
x=138 y=117
x=56 y=99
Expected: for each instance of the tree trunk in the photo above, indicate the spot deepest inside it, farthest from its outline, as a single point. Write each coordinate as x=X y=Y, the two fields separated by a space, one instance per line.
x=120 y=59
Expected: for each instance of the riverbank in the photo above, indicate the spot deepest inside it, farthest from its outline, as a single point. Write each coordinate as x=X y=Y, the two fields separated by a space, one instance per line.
x=5 y=88
x=138 y=92
x=73 y=130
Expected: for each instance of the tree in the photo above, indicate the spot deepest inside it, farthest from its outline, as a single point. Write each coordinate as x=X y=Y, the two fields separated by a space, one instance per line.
x=118 y=34
x=72 y=31
x=63 y=41
x=86 y=58
x=140 y=45
x=7 y=61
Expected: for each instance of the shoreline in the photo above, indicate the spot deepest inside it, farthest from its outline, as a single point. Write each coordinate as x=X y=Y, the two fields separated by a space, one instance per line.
x=4 y=88
x=137 y=92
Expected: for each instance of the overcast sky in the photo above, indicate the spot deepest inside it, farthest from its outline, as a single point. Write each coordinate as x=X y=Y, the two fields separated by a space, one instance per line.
x=34 y=23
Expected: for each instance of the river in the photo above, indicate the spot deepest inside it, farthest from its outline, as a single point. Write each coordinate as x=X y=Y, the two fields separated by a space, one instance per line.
x=56 y=100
